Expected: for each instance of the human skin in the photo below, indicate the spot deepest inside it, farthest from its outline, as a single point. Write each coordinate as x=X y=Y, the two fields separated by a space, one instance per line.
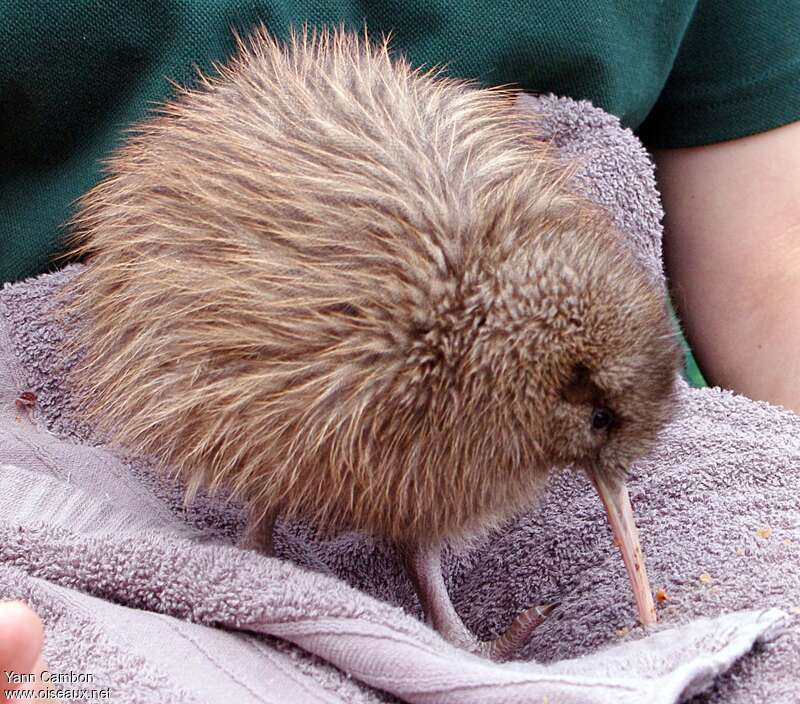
x=732 y=255
x=21 y=637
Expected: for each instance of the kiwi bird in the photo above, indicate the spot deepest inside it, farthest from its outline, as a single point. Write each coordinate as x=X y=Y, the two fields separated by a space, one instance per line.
x=365 y=295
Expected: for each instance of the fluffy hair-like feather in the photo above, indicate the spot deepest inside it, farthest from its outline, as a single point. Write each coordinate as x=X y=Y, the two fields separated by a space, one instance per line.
x=355 y=292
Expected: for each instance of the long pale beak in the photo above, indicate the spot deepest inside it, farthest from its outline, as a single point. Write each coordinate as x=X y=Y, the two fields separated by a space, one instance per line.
x=620 y=515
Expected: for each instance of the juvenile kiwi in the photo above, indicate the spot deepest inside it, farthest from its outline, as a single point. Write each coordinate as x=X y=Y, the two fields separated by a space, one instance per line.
x=364 y=294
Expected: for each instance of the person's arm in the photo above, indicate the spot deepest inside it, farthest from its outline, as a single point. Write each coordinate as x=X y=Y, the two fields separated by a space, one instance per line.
x=732 y=255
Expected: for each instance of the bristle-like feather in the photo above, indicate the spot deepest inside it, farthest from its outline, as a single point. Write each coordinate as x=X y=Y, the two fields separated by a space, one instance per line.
x=346 y=289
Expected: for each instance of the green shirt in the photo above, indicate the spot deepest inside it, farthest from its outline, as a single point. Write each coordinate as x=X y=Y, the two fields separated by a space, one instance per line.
x=74 y=74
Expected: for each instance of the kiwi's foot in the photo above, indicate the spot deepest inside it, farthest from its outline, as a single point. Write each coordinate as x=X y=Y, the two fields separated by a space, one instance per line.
x=504 y=647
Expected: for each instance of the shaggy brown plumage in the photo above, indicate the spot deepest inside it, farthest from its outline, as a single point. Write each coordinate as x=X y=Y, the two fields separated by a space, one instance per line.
x=361 y=294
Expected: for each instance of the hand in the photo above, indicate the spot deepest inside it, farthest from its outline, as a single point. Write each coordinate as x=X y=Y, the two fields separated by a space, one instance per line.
x=21 y=636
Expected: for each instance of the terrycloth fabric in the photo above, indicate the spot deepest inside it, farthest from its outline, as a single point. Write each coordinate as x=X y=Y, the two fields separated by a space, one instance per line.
x=154 y=600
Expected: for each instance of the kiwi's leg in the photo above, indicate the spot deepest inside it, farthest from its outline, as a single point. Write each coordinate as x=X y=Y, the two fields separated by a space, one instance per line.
x=425 y=569
x=258 y=534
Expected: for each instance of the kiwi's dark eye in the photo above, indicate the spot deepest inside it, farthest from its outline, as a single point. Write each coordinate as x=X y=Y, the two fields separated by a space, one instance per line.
x=602 y=418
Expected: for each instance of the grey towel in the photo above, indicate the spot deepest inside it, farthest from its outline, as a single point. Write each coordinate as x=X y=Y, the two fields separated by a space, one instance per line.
x=152 y=599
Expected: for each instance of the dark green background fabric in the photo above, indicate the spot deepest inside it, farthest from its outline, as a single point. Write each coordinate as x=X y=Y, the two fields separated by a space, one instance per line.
x=74 y=74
